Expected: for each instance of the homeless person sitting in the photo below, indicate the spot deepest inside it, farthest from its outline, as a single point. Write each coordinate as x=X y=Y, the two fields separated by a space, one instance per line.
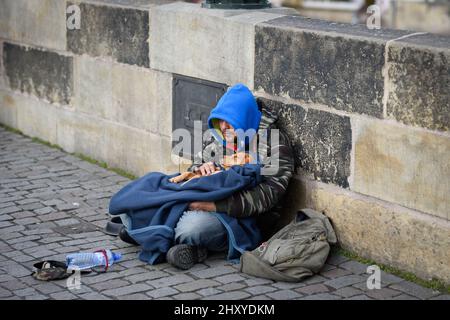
x=231 y=210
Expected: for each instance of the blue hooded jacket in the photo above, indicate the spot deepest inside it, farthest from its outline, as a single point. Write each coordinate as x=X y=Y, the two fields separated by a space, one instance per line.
x=239 y=108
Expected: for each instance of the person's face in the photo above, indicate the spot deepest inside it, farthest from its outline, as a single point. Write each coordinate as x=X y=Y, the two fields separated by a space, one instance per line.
x=227 y=131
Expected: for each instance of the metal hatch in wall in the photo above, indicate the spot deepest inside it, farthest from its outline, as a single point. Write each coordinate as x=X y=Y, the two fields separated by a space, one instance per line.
x=193 y=99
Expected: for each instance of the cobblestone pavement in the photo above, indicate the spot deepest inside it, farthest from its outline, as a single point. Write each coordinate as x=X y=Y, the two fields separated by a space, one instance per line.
x=52 y=204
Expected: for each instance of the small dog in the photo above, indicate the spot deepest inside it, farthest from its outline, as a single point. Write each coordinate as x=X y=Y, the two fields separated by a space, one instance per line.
x=239 y=158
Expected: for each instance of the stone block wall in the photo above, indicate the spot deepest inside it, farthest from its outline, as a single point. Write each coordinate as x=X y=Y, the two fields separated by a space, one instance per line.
x=367 y=111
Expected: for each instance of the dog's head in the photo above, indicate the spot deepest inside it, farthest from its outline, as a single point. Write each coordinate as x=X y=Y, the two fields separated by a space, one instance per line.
x=239 y=158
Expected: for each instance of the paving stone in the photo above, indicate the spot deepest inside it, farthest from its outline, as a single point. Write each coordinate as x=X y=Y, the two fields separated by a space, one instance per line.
x=231 y=286
x=27 y=221
x=257 y=281
x=111 y=284
x=284 y=295
x=127 y=290
x=170 y=281
x=347 y=292
x=98 y=296
x=5 y=293
x=354 y=267
x=147 y=276
x=24 y=292
x=313 y=289
x=232 y=295
x=321 y=296
x=44 y=210
x=67 y=222
x=387 y=279
x=344 y=281
x=162 y=292
x=314 y=279
x=10 y=210
x=382 y=294
x=187 y=296
x=213 y=272
x=288 y=285
x=415 y=290
x=335 y=273
x=63 y=295
x=196 y=285
x=48 y=287
x=229 y=278
x=208 y=291
x=260 y=289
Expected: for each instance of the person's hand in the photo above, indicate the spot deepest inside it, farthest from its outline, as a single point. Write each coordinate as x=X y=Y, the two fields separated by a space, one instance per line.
x=203 y=206
x=206 y=169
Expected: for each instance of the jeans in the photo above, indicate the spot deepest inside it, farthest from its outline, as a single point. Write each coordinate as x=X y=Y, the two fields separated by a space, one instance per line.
x=201 y=228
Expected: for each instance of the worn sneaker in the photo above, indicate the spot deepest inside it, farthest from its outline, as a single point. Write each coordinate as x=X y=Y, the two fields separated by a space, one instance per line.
x=185 y=256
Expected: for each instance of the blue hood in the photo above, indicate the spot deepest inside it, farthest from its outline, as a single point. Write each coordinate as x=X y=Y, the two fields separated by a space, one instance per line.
x=239 y=108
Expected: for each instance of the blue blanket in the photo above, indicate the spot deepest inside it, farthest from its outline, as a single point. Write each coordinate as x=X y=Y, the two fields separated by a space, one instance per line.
x=154 y=205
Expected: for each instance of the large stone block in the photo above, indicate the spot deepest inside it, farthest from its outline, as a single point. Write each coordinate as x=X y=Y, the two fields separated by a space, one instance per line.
x=334 y=64
x=45 y=74
x=120 y=146
x=377 y=230
x=138 y=151
x=120 y=33
x=8 y=109
x=321 y=140
x=419 y=81
x=35 y=118
x=407 y=166
x=41 y=23
x=80 y=133
x=215 y=45
x=138 y=97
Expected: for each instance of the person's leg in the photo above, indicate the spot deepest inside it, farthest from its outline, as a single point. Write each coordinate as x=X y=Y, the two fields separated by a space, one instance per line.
x=195 y=234
x=201 y=228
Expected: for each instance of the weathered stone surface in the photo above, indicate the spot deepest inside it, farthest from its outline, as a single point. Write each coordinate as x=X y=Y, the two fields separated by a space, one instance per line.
x=41 y=23
x=45 y=74
x=338 y=65
x=321 y=140
x=137 y=97
x=215 y=45
x=120 y=33
x=403 y=165
x=380 y=231
x=145 y=151
x=419 y=81
x=33 y=117
x=8 y=109
x=81 y=134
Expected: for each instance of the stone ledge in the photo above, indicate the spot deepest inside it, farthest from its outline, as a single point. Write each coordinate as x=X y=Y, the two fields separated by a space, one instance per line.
x=378 y=230
x=335 y=64
x=211 y=44
x=40 y=23
x=109 y=31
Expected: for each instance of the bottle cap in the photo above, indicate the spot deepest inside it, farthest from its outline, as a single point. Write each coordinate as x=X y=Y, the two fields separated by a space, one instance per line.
x=116 y=256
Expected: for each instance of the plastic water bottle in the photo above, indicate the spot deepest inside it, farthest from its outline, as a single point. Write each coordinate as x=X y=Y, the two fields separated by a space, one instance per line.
x=87 y=260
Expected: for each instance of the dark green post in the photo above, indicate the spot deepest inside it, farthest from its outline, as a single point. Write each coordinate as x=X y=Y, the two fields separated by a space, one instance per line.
x=236 y=4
